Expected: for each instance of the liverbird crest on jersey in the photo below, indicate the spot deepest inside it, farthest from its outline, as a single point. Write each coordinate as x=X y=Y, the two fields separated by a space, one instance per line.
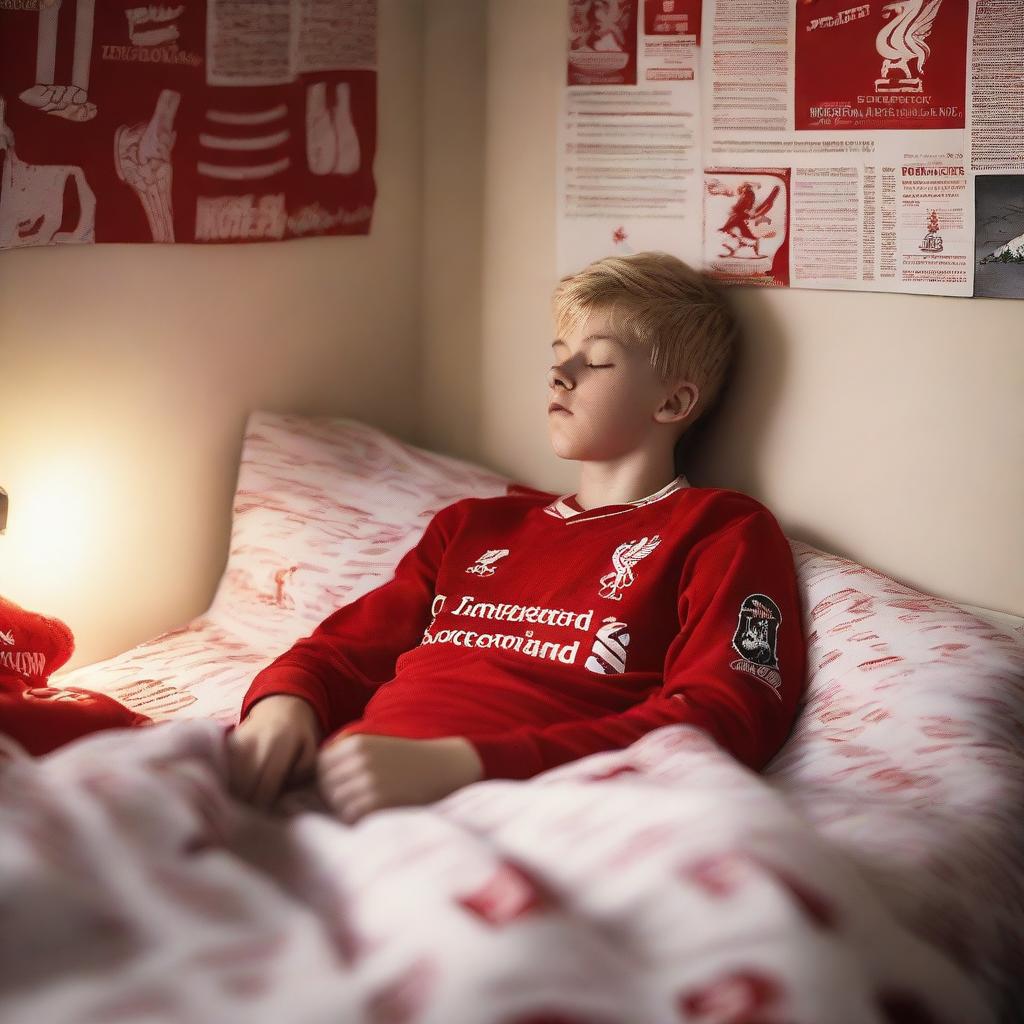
x=483 y=566
x=608 y=652
x=624 y=557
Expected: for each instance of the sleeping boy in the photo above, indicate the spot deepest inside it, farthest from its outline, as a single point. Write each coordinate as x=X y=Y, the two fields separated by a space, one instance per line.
x=526 y=630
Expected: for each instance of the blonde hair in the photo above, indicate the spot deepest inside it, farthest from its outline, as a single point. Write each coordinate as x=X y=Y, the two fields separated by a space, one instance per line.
x=655 y=300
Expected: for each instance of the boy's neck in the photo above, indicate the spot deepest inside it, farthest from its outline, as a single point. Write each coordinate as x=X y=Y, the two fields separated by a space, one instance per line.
x=617 y=484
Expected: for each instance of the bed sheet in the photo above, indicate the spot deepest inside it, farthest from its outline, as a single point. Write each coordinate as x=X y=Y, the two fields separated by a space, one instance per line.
x=874 y=872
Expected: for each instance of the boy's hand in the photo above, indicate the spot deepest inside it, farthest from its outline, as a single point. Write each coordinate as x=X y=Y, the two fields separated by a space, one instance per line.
x=272 y=748
x=365 y=772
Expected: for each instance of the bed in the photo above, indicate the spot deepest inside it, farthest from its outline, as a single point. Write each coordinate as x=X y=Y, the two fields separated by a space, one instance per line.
x=874 y=872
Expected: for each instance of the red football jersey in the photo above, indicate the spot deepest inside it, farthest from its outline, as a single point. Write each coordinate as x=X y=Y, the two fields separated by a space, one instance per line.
x=542 y=632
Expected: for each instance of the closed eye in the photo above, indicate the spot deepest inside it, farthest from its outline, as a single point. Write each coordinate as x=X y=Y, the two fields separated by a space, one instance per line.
x=599 y=366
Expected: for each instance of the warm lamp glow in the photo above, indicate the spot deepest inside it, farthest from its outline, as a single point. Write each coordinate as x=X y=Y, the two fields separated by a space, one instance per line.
x=58 y=504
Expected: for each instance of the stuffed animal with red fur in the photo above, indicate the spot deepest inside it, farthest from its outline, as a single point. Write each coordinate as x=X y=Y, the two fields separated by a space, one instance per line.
x=38 y=716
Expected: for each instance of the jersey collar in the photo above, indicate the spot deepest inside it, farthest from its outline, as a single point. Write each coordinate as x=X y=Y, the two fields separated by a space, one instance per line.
x=561 y=508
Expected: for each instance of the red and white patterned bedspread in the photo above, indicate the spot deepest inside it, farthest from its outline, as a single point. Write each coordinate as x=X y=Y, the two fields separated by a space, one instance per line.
x=873 y=873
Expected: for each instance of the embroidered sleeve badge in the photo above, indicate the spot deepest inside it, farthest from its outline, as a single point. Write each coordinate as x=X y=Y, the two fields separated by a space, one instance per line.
x=756 y=640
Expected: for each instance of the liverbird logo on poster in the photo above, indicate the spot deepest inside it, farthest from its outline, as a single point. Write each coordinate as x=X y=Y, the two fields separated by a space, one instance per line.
x=902 y=40
x=624 y=558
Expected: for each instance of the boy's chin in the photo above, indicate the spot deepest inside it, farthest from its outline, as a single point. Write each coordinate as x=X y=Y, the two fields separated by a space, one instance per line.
x=590 y=450
x=572 y=452
x=565 y=451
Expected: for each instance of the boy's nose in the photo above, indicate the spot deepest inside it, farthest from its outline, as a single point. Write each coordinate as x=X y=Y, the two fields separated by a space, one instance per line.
x=558 y=376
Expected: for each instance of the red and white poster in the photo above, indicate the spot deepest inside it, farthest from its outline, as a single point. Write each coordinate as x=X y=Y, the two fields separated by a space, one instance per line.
x=629 y=172
x=672 y=18
x=809 y=144
x=602 y=42
x=890 y=66
x=201 y=121
x=746 y=213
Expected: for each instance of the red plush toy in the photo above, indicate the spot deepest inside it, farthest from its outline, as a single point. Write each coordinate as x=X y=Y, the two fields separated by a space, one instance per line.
x=41 y=717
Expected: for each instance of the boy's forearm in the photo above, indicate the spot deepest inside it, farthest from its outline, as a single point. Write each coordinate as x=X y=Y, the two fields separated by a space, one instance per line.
x=364 y=772
x=460 y=754
x=466 y=764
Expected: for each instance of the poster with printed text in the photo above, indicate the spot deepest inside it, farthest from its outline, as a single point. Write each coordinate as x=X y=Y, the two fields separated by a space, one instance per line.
x=206 y=121
x=871 y=146
x=629 y=176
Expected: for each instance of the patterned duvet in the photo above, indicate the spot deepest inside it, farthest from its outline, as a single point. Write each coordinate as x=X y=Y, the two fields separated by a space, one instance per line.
x=874 y=872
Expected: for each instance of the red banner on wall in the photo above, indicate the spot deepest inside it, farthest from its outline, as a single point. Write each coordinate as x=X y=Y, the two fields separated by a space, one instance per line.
x=205 y=121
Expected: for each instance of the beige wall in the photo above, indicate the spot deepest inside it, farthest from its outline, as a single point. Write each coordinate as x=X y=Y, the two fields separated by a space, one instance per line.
x=454 y=112
x=126 y=373
x=883 y=427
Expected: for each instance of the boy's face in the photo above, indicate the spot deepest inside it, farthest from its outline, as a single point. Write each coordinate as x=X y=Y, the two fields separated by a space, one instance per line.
x=615 y=399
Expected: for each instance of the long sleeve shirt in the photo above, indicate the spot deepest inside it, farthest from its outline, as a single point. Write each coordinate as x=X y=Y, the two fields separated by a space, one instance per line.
x=542 y=632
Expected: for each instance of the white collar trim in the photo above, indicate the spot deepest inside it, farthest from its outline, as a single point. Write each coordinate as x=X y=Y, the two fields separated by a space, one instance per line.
x=562 y=510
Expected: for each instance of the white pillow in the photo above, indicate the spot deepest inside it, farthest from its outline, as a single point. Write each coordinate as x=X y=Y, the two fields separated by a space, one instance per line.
x=324 y=509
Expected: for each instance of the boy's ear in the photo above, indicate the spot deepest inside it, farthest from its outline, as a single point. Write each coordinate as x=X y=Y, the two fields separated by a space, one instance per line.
x=679 y=402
